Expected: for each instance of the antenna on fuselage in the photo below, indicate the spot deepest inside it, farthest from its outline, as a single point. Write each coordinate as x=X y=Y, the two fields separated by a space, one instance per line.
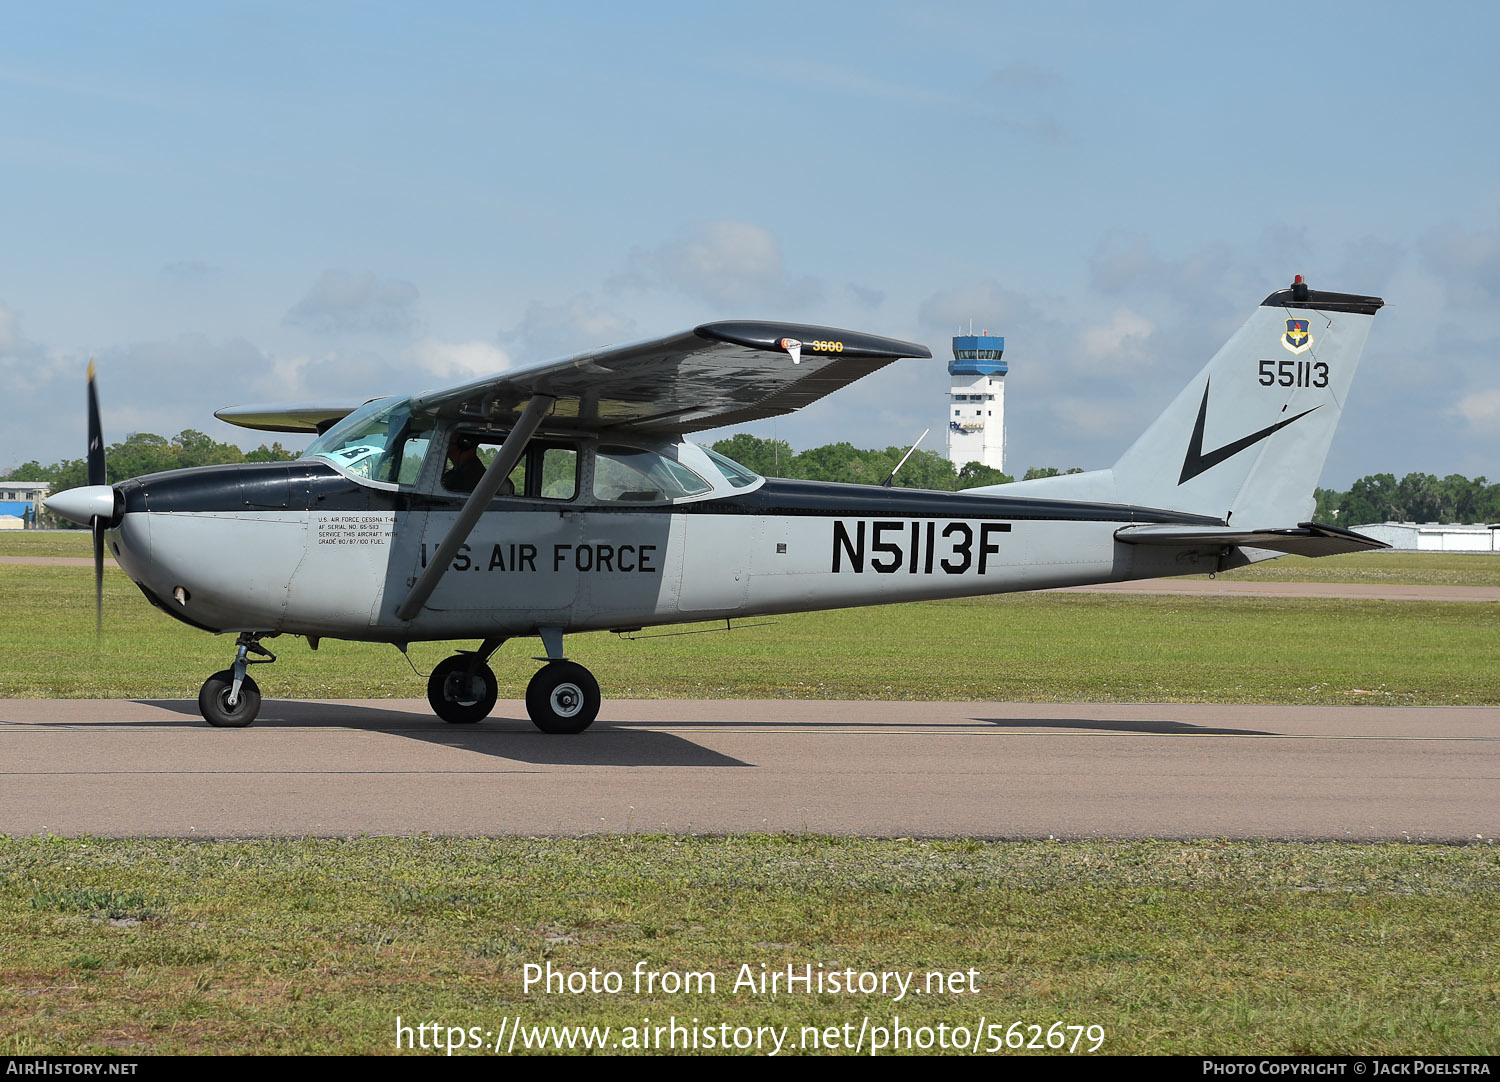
x=887 y=482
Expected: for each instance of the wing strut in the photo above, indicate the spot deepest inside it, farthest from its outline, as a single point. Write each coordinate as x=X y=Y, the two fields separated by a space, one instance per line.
x=479 y=502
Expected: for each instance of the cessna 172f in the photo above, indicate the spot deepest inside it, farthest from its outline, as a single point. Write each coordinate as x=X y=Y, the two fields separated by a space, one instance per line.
x=563 y=498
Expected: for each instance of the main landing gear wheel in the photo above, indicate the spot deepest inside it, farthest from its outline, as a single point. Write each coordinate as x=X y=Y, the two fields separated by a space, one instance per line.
x=213 y=701
x=562 y=697
x=458 y=698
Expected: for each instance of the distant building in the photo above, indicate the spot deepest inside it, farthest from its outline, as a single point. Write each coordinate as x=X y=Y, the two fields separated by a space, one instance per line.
x=1434 y=537
x=976 y=406
x=21 y=500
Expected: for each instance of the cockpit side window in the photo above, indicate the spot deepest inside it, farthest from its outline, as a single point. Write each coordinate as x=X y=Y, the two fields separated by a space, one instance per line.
x=547 y=471
x=634 y=475
x=413 y=450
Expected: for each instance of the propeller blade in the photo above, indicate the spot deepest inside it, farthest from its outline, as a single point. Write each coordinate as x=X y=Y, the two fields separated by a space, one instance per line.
x=97 y=526
x=96 y=436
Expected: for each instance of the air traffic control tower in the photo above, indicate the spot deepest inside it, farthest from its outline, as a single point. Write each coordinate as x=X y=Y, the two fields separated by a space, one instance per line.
x=976 y=417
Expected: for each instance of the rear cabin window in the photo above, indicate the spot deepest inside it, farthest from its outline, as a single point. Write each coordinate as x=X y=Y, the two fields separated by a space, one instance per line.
x=738 y=476
x=633 y=475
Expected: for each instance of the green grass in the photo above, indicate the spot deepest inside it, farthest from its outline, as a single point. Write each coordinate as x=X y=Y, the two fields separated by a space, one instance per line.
x=1023 y=647
x=46 y=543
x=1378 y=568
x=317 y=946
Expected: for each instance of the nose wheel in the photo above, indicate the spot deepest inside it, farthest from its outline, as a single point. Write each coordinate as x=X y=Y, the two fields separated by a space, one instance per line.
x=215 y=706
x=563 y=697
x=229 y=699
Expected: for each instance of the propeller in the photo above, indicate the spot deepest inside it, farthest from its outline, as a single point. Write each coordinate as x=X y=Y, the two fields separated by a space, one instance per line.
x=94 y=505
x=96 y=524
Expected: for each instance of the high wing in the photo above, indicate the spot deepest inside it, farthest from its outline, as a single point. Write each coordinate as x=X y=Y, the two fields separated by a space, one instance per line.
x=714 y=375
x=717 y=374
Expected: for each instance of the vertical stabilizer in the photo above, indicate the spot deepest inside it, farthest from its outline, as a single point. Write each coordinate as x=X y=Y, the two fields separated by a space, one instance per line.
x=1246 y=439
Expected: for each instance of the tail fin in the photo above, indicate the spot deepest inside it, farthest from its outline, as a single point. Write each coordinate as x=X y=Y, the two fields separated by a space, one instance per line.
x=1246 y=439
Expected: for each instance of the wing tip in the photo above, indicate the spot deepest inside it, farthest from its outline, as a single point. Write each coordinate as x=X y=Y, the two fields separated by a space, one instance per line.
x=766 y=335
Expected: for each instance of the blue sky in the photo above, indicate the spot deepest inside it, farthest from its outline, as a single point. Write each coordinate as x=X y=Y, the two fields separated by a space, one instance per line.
x=276 y=202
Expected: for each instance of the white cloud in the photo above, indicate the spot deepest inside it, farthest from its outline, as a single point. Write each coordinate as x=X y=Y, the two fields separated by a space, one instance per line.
x=1481 y=409
x=1123 y=341
x=1123 y=259
x=26 y=365
x=459 y=361
x=1096 y=420
x=726 y=263
x=341 y=302
x=549 y=331
x=986 y=305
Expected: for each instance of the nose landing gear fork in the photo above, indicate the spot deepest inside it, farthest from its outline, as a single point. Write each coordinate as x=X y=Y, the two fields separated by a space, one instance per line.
x=230 y=699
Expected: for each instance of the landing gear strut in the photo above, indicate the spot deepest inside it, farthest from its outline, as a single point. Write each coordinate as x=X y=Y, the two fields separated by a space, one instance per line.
x=229 y=699
x=462 y=689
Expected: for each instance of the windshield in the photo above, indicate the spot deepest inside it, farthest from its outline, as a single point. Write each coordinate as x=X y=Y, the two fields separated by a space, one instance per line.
x=380 y=441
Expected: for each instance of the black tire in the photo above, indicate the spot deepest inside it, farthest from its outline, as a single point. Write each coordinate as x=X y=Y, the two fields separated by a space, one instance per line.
x=455 y=703
x=213 y=701
x=562 y=698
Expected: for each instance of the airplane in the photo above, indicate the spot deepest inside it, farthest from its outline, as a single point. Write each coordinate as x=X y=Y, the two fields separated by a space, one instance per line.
x=564 y=498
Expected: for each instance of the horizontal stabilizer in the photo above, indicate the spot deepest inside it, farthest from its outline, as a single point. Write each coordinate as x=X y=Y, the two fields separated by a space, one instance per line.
x=1308 y=539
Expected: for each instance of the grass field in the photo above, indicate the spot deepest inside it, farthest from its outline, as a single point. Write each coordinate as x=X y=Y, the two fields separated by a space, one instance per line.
x=1389 y=568
x=121 y=947
x=318 y=946
x=46 y=543
x=1020 y=647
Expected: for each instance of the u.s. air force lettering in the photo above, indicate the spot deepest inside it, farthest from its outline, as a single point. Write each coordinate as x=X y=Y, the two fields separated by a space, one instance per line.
x=901 y=545
x=513 y=556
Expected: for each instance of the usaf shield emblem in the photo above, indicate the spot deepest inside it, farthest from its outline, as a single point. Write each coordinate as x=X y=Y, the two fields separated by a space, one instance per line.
x=1296 y=338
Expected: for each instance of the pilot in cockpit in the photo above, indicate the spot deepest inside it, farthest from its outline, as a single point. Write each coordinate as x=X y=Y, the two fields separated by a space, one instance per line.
x=465 y=467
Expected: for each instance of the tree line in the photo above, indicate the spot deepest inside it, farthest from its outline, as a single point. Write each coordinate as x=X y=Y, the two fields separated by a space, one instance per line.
x=1417 y=497
x=145 y=452
x=845 y=462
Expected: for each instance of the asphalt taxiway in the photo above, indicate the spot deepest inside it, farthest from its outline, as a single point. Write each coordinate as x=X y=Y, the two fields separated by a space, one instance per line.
x=991 y=770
